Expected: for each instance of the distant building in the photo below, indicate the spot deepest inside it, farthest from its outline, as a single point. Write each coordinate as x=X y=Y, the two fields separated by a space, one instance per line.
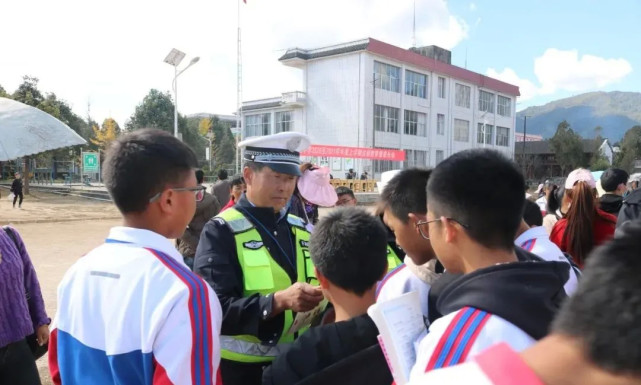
x=423 y=105
x=528 y=137
x=540 y=159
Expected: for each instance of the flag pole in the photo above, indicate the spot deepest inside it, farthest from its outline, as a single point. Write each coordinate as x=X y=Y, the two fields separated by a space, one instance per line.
x=239 y=91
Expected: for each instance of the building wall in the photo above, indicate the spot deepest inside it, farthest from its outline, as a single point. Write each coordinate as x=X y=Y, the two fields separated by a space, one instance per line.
x=339 y=110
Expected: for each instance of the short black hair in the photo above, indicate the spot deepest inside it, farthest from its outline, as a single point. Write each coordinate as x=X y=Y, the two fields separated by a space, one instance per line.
x=554 y=199
x=604 y=314
x=532 y=214
x=237 y=181
x=200 y=176
x=222 y=174
x=344 y=190
x=142 y=163
x=349 y=247
x=612 y=178
x=483 y=190
x=405 y=193
x=255 y=166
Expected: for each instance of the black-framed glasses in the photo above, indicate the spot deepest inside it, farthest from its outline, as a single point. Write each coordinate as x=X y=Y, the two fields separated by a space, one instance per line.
x=199 y=192
x=419 y=225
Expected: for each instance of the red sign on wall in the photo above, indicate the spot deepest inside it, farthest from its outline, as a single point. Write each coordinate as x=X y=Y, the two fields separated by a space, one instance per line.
x=355 y=152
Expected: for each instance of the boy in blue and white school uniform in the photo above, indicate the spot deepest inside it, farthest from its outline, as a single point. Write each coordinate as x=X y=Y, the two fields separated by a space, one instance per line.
x=130 y=311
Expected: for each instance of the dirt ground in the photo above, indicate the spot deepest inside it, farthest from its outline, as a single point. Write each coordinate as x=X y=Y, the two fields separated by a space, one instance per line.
x=57 y=230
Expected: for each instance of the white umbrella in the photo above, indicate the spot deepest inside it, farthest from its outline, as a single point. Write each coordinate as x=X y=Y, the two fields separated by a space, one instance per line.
x=26 y=130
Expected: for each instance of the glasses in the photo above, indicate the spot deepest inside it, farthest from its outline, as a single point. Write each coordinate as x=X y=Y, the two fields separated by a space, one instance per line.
x=344 y=202
x=419 y=225
x=199 y=192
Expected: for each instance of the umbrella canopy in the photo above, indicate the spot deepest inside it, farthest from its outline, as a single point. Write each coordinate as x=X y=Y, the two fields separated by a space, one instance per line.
x=26 y=130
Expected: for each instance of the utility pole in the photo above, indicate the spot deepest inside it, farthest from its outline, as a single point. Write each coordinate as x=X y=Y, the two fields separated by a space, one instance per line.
x=524 y=135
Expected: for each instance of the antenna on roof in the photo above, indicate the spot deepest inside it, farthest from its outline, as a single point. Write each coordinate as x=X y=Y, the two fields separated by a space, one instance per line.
x=414 y=27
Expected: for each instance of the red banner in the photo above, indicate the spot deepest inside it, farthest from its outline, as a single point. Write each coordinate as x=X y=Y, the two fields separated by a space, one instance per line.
x=355 y=152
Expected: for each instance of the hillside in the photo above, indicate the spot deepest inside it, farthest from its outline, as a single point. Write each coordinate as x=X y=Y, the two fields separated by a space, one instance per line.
x=615 y=112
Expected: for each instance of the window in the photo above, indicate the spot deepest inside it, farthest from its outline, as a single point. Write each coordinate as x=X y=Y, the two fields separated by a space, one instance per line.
x=386 y=119
x=441 y=88
x=484 y=135
x=462 y=98
x=439 y=156
x=284 y=121
x=504 y=106
x=414 y=123
x=388 y=77
x=257 y=125
x=384 y=165
x=486 y=101
x=415 y=158
x=415 y=84
x=440 y=124
x=461 y=130
x=502 y=136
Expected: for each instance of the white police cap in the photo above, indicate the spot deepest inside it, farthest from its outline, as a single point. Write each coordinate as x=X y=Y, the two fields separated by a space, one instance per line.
x=280 y=152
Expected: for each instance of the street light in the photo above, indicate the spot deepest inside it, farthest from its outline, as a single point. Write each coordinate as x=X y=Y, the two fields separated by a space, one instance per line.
x=174 y=58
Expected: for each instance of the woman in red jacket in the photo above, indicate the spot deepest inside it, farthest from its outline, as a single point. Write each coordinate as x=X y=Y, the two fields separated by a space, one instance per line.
x=585 y=225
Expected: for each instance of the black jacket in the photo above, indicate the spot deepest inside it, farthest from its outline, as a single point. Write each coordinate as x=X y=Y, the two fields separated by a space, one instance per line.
x=611 y=203
x=16 y=186
x=323 y=346
x=526 y=293
x=217 y=262
x=631 y=208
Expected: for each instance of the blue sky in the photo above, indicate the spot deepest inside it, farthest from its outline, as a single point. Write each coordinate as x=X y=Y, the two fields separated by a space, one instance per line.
x=512 y=34
x=109 y=54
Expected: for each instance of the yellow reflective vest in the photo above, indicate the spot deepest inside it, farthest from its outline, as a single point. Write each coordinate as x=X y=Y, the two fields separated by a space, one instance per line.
x=392 y=259
x=263 y=275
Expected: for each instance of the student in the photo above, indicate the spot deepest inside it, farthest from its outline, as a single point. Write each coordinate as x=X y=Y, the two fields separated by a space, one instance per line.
x=614 y=181
x=584 y=225
x=532 y=237
x=206 y=209
x=404 y=207
x=472 y=231
x=591 y=343
x=238 y=188
x=348 y=252
x=130 y=311
x=345 y=197
x=554 y=207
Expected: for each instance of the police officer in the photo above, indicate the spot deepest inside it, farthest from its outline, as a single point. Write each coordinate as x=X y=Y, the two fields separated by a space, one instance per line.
x=255 y=256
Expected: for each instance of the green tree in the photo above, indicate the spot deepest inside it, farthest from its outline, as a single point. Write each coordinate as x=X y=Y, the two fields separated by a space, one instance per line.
x=3 y=93
x=630 y=149
x=28 y=92
x=157 y=111
x=568 y=148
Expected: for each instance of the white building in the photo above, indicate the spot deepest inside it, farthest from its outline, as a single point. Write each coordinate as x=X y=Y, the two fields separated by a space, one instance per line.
x=422 y=104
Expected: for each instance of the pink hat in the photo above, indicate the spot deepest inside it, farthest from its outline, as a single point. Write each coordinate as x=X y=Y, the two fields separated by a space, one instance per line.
x=580 y=175
x=314 y=186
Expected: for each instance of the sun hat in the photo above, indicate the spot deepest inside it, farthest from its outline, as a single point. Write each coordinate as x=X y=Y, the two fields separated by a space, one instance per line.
x=314 y=186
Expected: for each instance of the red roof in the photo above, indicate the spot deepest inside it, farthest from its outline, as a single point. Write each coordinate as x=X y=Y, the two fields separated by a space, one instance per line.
x=406 y=56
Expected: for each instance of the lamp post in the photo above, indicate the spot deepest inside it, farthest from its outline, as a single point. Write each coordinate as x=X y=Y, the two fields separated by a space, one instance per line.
x=174 y=58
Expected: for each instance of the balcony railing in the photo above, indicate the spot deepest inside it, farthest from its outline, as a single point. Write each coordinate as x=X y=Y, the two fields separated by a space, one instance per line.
x=296 y=98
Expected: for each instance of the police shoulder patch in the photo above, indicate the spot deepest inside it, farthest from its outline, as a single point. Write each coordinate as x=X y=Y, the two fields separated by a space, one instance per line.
x=253 y=245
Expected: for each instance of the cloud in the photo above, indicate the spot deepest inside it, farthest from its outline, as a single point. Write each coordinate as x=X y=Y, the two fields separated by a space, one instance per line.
x=111 y=52
x=564 y=70
x=472 y=7
x=557 y=70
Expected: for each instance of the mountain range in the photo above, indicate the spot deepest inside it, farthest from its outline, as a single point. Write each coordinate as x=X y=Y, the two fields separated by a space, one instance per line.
x=615 y=112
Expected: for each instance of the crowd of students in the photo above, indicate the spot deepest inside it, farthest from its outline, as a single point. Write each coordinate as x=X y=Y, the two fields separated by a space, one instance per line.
x=503 y=300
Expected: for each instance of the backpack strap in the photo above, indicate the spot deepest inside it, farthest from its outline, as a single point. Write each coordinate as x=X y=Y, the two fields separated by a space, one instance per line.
x=11 y=235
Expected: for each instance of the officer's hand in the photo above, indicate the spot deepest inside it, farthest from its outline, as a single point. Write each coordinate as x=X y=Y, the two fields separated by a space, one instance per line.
x=298 y=297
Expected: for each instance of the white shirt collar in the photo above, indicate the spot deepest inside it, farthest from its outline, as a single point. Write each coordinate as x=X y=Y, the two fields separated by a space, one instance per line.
x=532 y=233
x=144 y=238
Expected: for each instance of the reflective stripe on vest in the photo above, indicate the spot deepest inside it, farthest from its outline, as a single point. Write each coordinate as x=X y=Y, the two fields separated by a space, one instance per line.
x=263 y=275
x=392 y=259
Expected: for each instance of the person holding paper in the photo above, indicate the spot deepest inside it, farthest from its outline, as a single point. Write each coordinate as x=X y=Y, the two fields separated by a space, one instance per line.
x=590 y=342
x=256 y=257
x=349 y=253
x=497 y=298
x=404 y=204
